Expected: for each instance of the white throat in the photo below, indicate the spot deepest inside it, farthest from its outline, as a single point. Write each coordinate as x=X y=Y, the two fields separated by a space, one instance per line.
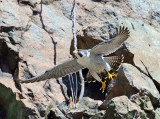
x=84 y=60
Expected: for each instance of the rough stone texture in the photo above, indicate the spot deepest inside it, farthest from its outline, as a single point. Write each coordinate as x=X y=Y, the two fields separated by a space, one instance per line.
x=157 y=111
x=146 y=53
x=53 y=112
x=86 y=108
x=130 y=81
x=13 y=16
x=35 y=36
x=145 y=103
x=122 y=108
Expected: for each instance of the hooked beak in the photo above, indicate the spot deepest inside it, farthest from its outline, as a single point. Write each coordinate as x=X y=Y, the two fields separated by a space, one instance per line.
x=76 y=51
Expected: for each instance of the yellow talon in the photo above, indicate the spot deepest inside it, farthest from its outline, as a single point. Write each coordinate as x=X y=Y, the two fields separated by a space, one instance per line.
x=103 y=86
x=110 y=76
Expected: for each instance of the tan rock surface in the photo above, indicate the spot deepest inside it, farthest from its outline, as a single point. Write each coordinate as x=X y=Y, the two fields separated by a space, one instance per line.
x=35 y=36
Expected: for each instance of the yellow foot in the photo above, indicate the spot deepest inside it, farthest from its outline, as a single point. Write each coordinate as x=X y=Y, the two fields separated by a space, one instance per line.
x=110 y=76
x=103 y=86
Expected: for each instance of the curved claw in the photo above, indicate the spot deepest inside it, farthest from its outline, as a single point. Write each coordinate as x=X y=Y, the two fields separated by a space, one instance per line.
x=103 y=86
x=110 y=76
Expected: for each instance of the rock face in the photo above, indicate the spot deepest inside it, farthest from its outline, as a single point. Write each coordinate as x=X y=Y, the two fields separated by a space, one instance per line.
x=37 y=34
x=121 y=107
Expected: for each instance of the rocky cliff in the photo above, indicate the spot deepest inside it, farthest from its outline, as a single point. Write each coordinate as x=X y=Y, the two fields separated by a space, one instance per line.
x=37 y=34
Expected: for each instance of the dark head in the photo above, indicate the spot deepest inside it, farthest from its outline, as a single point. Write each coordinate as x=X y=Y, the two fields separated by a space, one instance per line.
x=80 y=53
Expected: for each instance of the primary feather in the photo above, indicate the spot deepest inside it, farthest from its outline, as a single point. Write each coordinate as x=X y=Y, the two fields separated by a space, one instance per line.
x=108 y=47
x=68 y=67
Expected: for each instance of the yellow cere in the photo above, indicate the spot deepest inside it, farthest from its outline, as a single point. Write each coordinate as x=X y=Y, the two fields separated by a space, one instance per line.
x=76 y=51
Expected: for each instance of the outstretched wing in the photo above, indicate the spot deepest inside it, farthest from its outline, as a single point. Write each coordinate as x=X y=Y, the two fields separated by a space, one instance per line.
x=60 y=70
x=109 y=47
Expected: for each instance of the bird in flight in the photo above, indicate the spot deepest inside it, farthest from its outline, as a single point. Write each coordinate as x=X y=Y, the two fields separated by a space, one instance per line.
x=93 y=59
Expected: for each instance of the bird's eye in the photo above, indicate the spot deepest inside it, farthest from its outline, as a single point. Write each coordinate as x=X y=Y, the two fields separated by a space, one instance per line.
x=80 y=54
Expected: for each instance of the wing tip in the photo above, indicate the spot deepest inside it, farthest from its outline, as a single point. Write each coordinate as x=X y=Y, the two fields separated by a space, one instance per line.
x=120 y=30
x=123 y=30
x=31 y=80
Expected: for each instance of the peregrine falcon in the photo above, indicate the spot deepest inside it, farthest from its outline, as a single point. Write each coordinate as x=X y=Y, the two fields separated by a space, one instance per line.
x=93 y=59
